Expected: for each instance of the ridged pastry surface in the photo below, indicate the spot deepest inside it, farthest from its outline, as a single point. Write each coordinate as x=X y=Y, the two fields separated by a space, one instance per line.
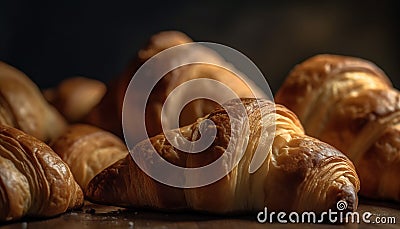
x=88 y=150
x=351 y=104
x=22 y=106
x=34 y=181
x=300 y=173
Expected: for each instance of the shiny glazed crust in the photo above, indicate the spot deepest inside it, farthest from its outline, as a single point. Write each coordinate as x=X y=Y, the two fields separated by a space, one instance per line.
x=22 y=106
x=34 y=181
x=350 y=104
x=88 y=150
x=300 y=173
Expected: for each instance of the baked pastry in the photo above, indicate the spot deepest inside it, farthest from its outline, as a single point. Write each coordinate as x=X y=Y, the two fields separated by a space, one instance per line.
x=108 y=115
x=88 y=150
x=350 y=103
x=22 y=106
x=300 y=173
x=34 y=181
x=75 y=97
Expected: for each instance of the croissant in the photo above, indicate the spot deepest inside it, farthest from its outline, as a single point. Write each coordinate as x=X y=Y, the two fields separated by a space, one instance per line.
x=34 y=181
x=109 y=112
x=22 y=106
x=75 y=97
x=350 y=103
x=88 y=150
x=300 y=173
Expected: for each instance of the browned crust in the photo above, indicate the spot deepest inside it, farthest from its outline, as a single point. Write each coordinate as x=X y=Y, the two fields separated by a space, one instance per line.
x=53 y=189
x=295 y=166
x=26 y=108
x=308 y=76
x=361 y=123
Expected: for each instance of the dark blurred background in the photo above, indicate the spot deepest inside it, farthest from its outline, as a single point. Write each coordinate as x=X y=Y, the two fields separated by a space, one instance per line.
x=52 y=40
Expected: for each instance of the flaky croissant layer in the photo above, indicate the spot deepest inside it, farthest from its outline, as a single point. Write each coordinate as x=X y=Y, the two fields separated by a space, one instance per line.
x=88 y=150
x=350 y=103
x=23 y=106
x=34 y=181
x=299 y=173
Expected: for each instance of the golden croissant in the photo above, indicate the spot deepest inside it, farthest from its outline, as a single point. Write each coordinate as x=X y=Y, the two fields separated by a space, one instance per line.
x=350 y=103
x=300 y=173
x=22 y=106
x=88 y=150
x=109 y=112
x=34 y=181
x=75 y=97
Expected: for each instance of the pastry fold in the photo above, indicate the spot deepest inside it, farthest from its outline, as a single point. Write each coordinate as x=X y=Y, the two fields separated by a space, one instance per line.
x=23 y=106
x=351 y=104
x=299 y=173
x=88 y=150
x=34 y=181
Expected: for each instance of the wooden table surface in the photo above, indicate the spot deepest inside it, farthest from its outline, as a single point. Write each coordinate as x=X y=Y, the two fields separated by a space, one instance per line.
x=97 y=216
